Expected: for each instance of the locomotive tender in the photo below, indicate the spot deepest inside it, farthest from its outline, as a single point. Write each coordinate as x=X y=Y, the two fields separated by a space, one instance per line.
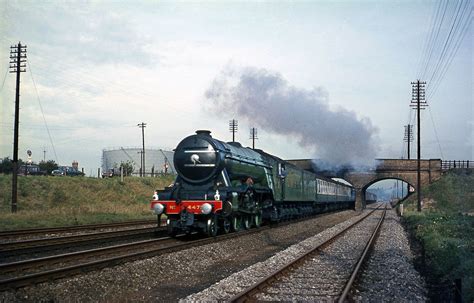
x=224 y=186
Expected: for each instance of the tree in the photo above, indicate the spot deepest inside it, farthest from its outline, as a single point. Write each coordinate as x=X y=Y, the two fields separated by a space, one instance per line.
x=127 y=167
x=48 y=166
x=6 y=166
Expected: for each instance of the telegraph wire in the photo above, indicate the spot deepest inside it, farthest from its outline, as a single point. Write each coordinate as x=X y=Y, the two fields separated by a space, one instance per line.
x=42 y=112
x=83 y=79
x=87 y=81
x=436 y=45
x=452 y=54
x=436 y=133
x=428 y=40
x=447 y=43
x=433 y=42
x=26 y=125
x=4 y=78
x=411 y=117
x=456 y=29
x=448 y=27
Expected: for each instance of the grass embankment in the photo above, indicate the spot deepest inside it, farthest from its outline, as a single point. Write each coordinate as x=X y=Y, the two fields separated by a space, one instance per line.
x=445 y=230
x=60 y=201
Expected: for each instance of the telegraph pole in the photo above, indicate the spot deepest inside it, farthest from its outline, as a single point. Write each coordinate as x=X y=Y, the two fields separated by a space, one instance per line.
x=253 y=136
x=233 y=126
x=141 y=162
x=17 y=65
x=142 y=126
x=418 y=101
x=408 y=138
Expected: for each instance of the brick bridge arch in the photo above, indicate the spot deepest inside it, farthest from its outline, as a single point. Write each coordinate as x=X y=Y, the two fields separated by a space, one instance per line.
x=401 y=169
x=404 y=170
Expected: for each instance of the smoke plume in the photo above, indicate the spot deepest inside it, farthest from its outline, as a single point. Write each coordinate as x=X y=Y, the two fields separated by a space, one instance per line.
x=266 y=99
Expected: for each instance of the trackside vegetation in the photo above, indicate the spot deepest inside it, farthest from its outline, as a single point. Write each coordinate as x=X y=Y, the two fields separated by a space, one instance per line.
x=444 y=231
x=46 y=201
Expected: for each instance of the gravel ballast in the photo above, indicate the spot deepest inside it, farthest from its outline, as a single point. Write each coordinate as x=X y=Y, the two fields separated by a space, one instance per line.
x=169 y=277
x=389 y=277
x=389 y=274
x=234 y=284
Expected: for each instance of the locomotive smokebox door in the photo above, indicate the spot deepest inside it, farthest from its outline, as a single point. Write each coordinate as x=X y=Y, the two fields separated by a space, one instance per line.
x=197 y=158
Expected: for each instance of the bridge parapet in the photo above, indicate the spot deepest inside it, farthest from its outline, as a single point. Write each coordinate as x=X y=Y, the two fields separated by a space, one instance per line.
x=407 y=165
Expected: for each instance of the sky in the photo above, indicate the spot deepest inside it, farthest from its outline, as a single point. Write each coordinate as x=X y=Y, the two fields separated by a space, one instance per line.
x=98 y=68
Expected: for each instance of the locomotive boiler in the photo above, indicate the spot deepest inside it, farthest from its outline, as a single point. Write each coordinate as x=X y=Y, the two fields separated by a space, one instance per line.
x=225 y=187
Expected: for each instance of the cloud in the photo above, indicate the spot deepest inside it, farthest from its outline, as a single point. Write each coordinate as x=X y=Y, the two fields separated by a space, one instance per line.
x=266 y=99
x=77 y=31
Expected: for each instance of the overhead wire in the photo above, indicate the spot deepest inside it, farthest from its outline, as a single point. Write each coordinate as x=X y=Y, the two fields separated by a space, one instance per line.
x=79 y=74
x=460 y=37
x=428 y=40
x=4 y=78
x=433 y=41
x=29 y=125
x=42 y=112
x=448 y=27
x=457 y=32
x=86 y=80
x=446 y=45
x=436 y=133
x=428 y=48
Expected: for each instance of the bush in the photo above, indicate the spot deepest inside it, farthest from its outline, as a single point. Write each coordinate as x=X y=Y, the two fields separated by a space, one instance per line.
x=445 y=231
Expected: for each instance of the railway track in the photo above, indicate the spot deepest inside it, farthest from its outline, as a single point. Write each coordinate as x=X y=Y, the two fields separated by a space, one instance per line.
x=39 y=231
x=28 y=272
x=17 y=249
x=325 y=273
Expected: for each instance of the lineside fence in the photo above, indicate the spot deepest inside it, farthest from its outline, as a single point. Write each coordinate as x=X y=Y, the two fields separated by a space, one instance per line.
x=455 y=164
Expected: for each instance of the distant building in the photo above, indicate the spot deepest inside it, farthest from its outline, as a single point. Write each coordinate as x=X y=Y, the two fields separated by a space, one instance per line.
x=157 y=161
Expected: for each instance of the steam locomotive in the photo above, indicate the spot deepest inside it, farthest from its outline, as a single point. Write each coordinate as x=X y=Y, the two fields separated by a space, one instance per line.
x=225 y=187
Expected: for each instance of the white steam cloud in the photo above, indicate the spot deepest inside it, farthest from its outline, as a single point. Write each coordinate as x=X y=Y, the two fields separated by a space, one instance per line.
x=266 y=99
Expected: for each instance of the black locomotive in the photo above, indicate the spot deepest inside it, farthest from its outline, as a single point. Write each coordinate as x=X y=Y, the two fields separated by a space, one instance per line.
x=224 y=186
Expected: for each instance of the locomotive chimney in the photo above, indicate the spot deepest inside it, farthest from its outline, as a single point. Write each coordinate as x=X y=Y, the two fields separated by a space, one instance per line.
x=203 y=132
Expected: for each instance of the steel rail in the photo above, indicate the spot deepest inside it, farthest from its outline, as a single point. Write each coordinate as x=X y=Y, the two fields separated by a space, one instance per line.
x=27 y=246
x=247 y=294
x=67 y=271
x=29 y=265
x=362 y=259
x=63 y=258
x=32 y=231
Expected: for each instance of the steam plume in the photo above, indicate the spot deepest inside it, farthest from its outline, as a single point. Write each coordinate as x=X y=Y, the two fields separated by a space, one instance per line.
x=266 y=99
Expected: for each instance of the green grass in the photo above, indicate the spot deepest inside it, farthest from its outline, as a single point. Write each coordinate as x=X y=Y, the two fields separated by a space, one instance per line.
x=60 y=201
x=445 y=230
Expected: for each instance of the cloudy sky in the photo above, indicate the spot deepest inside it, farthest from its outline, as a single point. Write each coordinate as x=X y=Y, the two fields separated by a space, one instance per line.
x=338 y=73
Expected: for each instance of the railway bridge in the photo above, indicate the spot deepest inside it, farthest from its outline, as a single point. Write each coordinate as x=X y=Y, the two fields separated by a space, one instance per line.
x=362 y=178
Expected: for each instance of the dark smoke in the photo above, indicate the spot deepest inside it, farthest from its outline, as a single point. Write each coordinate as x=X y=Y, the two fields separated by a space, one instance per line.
x=266 y=99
